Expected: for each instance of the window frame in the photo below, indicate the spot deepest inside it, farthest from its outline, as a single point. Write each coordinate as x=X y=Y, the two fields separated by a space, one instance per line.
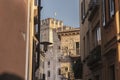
x=97 y=35
x=59 y=71
x=84 y=44
x=66 y=69
x=48 y=64
x=104 y=13
x=111 y=4
x=48 y=74
x=77 y=48
x=98 y=30
x=88 y=42
x=83 y=10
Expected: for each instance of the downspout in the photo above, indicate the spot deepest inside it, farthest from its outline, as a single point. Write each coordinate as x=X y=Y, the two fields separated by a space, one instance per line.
x=118 y=21
x=27 y=43
x=119 y=14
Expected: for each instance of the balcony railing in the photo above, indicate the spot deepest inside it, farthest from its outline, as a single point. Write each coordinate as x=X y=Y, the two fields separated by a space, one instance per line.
x=93 y=7
x=95 y=56
x=65 y=59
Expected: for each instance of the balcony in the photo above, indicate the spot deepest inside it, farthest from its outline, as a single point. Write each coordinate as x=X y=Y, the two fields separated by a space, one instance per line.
x=74 y=57
x=93 y=7
x=65 y=59
x=94 y=57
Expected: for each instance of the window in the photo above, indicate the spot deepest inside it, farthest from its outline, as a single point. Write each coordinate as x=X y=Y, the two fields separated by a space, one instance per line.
x=83 y=10
x=47 y=22
x=56 y=23
x=43 y=65
x=48 y=73
x=59 y=47
x=97 y=36
x=112 y=72
x=59 y=71
x=36 y=58
x=36 y=28
x=48 y=64
x=43 y=76
x=103 y=13
x=52 y=22
x=66 y=69
x=65 y=50
x=111 y=7
x=84 y=46
x=77 y=48
x=60 y=23
x=88 y=42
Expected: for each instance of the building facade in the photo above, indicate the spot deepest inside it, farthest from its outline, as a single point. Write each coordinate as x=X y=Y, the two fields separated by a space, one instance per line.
x=91 y=39
x=13 y=32
x=35 y=56
x=17 y=35
x=110 y=27
x=39 y=73
x=69 y=40
x=49 y=29
x=47 y=26
x=99 y=39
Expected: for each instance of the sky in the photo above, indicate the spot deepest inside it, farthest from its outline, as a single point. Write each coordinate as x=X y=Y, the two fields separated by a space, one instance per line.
x=65 y=10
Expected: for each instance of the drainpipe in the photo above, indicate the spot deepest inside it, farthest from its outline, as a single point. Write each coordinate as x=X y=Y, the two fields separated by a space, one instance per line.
x=119 y=15
x=27 y=43
x=39 y=17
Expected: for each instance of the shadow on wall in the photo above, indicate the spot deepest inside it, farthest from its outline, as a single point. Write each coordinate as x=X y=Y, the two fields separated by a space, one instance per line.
x=9 y=76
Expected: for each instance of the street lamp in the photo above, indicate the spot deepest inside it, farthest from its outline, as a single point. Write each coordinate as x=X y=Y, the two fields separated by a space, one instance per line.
x=38 y=34
x=45 y=44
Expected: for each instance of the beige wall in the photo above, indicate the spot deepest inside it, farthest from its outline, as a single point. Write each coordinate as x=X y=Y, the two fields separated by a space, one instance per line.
x=13 y=25
x=109 y=37
x=68 y=39
x=63 y=66
x=83 y=30
x=110 y=42
x=87 y=28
